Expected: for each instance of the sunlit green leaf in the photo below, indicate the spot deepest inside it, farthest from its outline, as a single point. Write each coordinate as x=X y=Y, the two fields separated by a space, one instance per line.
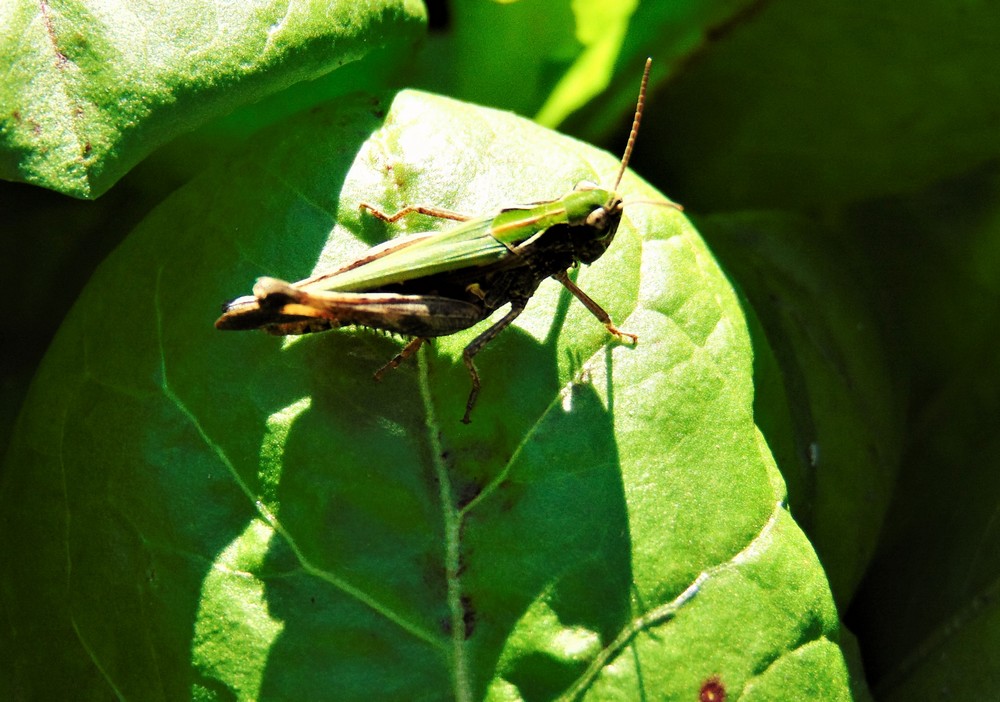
x=195 y=513
x=90 y=88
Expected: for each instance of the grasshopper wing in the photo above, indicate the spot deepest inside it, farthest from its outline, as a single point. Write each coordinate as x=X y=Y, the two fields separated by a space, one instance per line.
x=467 y=245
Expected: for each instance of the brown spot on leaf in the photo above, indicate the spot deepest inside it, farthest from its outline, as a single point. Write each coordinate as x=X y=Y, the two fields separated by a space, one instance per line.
x=51 y=31
x=468 y=616
x=467 y=493
x=712 y=690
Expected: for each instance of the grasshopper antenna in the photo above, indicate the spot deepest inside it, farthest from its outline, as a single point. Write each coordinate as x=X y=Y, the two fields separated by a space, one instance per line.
x=635 y=124
x=659 y=203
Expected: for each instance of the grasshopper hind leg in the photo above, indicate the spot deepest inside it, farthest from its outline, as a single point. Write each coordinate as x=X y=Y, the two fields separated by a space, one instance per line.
x=477 y=344
x=474 y=347
x=408 y=350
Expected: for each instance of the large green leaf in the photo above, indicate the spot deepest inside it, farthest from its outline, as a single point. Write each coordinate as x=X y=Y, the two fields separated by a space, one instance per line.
x=188 y=512
x=91 y=88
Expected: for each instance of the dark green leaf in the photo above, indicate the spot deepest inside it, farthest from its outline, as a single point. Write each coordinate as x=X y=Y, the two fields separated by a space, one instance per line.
x=928 y=611
x=831 y=101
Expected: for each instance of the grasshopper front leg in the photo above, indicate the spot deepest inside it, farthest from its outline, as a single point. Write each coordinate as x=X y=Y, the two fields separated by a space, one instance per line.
x=595 y=309
x=477 y=344
x=438 y=212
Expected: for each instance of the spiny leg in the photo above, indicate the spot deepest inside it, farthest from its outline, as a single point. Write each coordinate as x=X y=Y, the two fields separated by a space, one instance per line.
x=408 y=350
x=477 y=344
x=419 y=209
x=594 y=308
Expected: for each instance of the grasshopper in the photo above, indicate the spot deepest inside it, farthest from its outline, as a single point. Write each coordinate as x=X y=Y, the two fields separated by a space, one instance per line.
x=438 y=283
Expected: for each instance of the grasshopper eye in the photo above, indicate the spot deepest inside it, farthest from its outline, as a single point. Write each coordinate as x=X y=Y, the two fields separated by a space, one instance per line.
x=585 y=185
x=598 y=219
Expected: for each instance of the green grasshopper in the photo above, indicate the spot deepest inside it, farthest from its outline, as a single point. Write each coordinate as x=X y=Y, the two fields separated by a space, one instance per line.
x=438 y=283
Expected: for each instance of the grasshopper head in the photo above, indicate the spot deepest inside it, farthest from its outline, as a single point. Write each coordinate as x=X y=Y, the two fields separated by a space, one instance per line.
x=594 y=214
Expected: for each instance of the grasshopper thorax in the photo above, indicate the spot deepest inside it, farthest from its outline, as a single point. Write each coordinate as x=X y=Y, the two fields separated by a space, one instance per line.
x=592 y=206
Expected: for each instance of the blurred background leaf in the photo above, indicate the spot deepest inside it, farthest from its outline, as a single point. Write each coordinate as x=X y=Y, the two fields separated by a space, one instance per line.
x=812 y=104
x=550 y=59
x=927 y=614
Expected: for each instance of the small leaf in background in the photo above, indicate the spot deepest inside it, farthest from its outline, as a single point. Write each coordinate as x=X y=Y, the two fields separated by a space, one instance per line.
x=553 y=58
x=191 y=513
x=92 y=88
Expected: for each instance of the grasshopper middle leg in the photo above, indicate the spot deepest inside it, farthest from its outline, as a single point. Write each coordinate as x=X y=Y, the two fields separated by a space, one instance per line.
x=408 y=350
x=477 y=344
